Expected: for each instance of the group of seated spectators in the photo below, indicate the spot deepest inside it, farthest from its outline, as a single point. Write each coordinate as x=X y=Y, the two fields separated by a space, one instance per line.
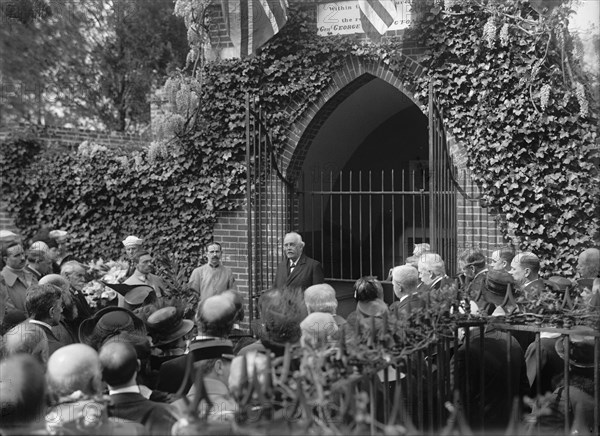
x=141 y=367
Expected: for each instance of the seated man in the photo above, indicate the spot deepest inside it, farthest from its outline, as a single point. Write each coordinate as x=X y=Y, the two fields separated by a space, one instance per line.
x=215 y=318
x=120 y=366
x=142 y=275
x=475 y=273
x=74 y=377
x=22 y=396
x=501 y=259
x=588 y=268
x=44 y=305
x=405 y=280
x=432 y=272
x=524 y=268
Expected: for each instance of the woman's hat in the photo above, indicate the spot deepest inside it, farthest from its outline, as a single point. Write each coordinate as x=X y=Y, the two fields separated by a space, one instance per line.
x=132 y=294
x=167 y=325
x=108 y=322
x=581 y=350
x=496 y=285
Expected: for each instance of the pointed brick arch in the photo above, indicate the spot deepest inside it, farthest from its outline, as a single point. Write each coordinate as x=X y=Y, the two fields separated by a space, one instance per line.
x=352 y=76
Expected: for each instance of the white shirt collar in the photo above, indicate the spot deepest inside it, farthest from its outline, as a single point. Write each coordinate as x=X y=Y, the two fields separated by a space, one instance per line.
x=135 y=389
x=35 y=321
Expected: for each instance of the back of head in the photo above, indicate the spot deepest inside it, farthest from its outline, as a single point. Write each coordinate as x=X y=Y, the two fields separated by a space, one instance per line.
x=72 y=368
x=368 y=288
x=27 y=338
x=475 y=259
x=282 y=319
x=22 y=391
x=421 y=249
x=56 y=280
x=506 y=254
x=119 y=363
x=528 y=260
x=40 y=299
x=407 y=277
x=589 y=263
x=433 y=262
x=216 y=316
x=318 y=329
x=238 y=301
x=320 y=298
x=71 y=267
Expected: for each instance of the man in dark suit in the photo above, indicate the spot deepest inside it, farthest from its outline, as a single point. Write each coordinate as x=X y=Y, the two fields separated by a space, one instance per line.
x=298 y=270
x=405 y=279
x=215 y=318
x=524 y=268
x=74 y=272
x=120 y=366
x=44 y=305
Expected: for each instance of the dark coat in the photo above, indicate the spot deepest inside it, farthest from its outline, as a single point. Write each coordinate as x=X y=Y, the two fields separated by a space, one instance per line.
x=495 y=410
x=307 y=272
x=156 y=417
x=84 y=311
x=405 y=307
x=172 y=373
x=53 y=342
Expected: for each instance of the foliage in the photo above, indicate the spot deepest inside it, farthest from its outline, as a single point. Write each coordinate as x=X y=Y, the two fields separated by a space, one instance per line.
x=88 y=64
x=513 y=95
x=496 y=69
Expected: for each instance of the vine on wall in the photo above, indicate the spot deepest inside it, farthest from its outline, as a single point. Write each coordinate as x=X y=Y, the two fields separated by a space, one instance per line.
x=500 y=72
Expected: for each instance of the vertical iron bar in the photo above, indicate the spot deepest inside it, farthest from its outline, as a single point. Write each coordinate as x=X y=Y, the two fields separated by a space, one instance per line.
x=351 y=230
x=249 y=215
x=420 y=399
x=322 y=220
x=567 y=342
x=331 y=257
x=360 y=226
x=393 y=222
x=384 y=269
x=597 y=384
x=509 y=374
x=370 y=226
x=482 y=374
x=341 y=222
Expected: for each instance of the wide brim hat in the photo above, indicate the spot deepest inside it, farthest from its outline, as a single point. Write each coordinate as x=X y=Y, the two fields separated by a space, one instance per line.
x=372 y=308
x=108 y=322
x=132 y=294
x=212 y=349
x=496 y=285
x=167 y=325
x=581 y=350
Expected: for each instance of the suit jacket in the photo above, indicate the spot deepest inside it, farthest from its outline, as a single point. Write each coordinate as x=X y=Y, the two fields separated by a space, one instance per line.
x=53 y=342
x=158 y=418
x=405 y=307
x=171 y=373
x=307 y=272
x=497 y=407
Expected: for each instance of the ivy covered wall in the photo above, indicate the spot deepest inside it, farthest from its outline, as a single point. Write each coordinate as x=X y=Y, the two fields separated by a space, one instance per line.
x=513 y=95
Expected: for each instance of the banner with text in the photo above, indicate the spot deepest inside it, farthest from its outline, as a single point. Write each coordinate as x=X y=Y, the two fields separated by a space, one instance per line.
x=343 y=17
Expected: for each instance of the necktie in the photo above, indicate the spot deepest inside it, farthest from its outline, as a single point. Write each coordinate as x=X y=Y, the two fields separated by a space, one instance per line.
x=292 y=266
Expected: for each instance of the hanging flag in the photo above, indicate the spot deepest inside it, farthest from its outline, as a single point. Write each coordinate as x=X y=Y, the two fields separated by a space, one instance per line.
x=251 y=23
x=376 y=16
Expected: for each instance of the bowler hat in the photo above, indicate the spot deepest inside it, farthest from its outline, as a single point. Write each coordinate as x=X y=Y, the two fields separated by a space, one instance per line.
x=581 y=350
x=167 y=324
x=108 y=322
x=132 y=294
x=496 y=285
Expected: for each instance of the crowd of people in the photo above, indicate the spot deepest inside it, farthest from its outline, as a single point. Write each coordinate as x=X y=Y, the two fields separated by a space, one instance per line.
x=127 y=366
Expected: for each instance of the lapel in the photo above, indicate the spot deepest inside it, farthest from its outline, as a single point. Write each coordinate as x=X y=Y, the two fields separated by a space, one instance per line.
x=299 y=264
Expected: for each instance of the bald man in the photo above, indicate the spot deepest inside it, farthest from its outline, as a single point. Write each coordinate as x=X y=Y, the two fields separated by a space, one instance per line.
x=74 y=378
x=22 y=394
x=120 y=366
x=215 y=318
x=29 y=339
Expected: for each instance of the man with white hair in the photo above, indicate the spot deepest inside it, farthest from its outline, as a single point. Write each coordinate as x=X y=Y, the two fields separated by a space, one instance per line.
x=321 y=298
x=297 y=270
x=432 y=271
x=74 y=272
x=588 y=268
x=405 y=280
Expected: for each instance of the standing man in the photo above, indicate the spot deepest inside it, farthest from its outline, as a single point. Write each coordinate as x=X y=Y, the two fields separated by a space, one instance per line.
x=74 y=272
x=214 y=277
x=38 y=260
x=588 y=268
x=17 y=280
x=132 y=245
x=143 y=273
x=298 y=270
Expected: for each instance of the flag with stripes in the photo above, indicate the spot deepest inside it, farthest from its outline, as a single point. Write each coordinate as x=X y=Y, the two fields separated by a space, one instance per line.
x=251 y=23
x=376 y=16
